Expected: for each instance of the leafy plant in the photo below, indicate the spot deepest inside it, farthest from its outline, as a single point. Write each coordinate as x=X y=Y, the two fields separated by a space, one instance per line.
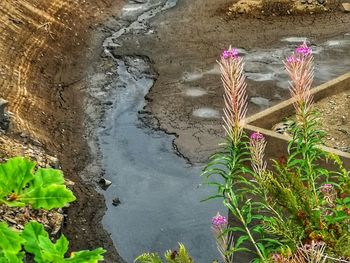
x=10 y=245
x=295 y=212
x=19 y=186
x=180 y=256
x=298 y=201
x=38 y=243
x=35 y=240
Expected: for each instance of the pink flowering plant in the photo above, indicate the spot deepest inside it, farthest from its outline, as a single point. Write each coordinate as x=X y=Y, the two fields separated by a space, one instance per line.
x=290 y=209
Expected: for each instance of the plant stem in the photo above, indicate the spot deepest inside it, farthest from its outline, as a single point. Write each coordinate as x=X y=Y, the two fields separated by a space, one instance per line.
x=249 y=234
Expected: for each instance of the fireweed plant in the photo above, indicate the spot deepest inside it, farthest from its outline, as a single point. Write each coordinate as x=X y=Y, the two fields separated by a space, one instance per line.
x=297 y=211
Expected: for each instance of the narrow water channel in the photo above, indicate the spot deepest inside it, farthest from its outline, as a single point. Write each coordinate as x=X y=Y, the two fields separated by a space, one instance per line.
x=160 y=193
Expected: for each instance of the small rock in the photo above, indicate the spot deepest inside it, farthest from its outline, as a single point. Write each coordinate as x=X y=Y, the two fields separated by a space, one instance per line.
x=116 y=201
x=105 y=183
x=346 y=7
x=53 y=162
x=321 y=1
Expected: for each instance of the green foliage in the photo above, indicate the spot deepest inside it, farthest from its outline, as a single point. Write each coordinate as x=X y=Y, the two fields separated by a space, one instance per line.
x=180 y=256
x=10 y=245
x=45 y=188
x=281 y=208
x=35 y=240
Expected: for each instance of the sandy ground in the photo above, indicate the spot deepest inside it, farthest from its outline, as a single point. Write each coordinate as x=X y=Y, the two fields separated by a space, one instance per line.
x=44 y=51
x=181 y=44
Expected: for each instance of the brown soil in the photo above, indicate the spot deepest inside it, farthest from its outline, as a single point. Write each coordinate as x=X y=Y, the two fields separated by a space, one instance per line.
x=263 y=8
x=43 y=56
x=335 y=119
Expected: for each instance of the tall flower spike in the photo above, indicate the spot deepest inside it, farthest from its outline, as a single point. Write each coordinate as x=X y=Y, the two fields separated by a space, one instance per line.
x=300 y=69
x=233 y=79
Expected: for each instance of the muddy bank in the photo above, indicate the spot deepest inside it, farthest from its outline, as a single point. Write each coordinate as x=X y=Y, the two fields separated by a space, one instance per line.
x=45 y=47
x=180 y=45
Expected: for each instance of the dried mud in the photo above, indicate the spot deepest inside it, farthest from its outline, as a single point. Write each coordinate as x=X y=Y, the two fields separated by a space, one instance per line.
x=45 y=48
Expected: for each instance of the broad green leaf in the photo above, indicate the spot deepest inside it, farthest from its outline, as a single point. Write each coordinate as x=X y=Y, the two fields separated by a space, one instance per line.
x=61 y=245
x=53 y=196
x=10 y=244
x=31 y=233
x=87 y=256
x=47 y=177
x=20 y=187
x=38 y=243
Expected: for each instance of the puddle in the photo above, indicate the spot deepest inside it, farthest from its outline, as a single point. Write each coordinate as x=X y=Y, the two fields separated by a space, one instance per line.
x=206 y=113
x=260 y=101
x=295 y=39
x=196 y=75
x=331 y=61
x=195 y=92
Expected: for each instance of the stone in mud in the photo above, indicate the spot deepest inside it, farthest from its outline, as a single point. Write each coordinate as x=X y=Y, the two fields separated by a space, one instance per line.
x=104 y=183
x=116 y=201
x=346 y=7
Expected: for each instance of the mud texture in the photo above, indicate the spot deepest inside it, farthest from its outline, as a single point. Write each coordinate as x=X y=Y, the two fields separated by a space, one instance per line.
x=188 y=39
x=335 y=119
x=45 y=48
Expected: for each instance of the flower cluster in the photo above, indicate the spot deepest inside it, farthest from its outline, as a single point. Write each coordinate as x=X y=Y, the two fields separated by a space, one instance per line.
x=256 y=136
x=230 y=53
x=303 y=50
x=219 y=221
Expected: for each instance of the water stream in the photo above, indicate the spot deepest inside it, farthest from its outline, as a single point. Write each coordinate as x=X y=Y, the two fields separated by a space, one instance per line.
x=160 y=192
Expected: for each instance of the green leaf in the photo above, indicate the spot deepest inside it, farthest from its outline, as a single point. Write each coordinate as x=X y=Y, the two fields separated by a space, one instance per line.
x=20 y=187
x=15 y=175
x=10 y=244
x=47 y=177
x=38 y=243
x=181 y=256
x=31 y=233
x=87 y=256
x=148 y=258
x=240 y=240
x=50 y=197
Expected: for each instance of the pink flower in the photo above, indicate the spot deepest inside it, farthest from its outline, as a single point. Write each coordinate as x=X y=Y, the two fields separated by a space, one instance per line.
x=230 y=53
x=293 y=59
x=304 y=50
x=256 y=136
x=219 y=221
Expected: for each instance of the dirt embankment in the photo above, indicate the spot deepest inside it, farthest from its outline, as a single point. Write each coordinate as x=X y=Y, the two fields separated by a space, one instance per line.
x=44 y=50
